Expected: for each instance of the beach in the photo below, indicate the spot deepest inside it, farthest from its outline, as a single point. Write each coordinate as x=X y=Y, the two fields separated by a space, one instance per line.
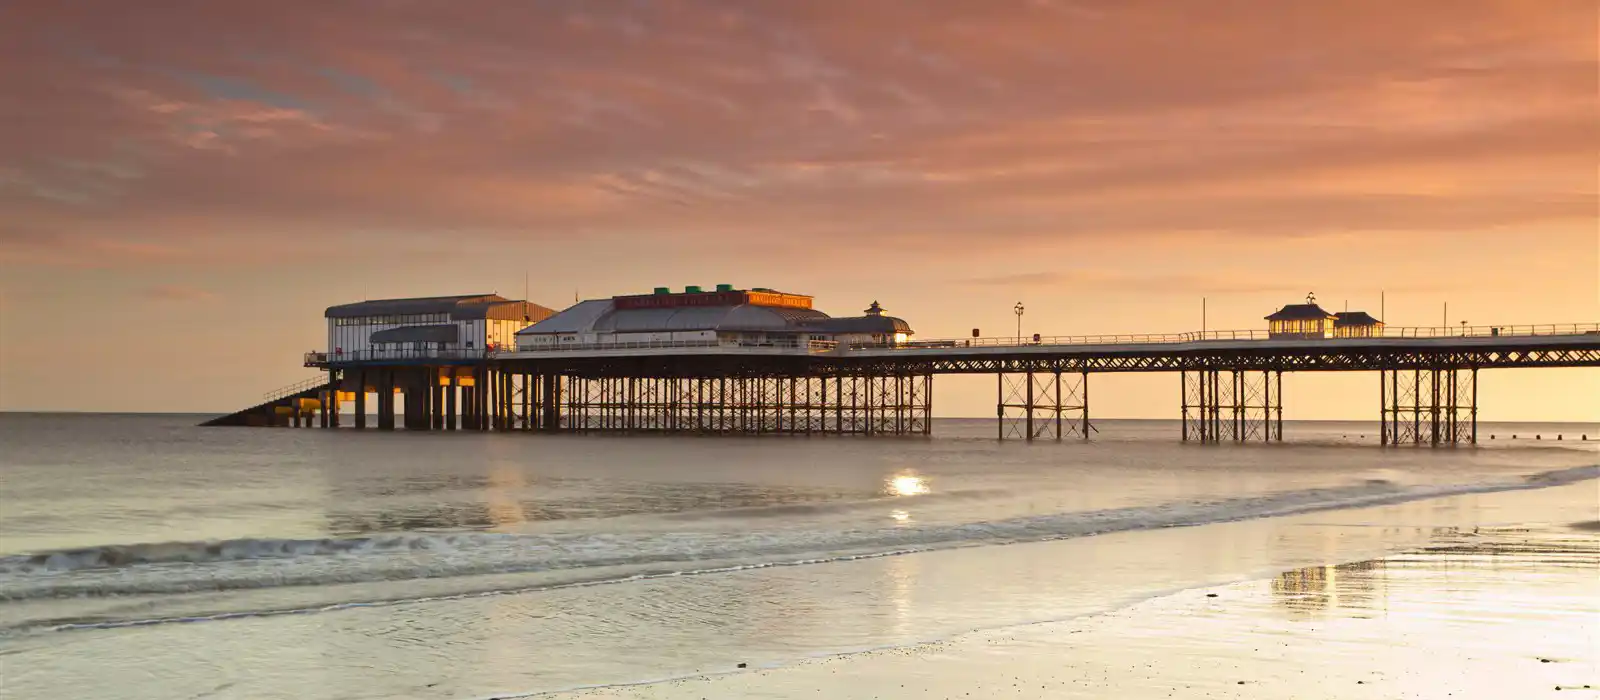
x=1480 y=611
x=282 y=564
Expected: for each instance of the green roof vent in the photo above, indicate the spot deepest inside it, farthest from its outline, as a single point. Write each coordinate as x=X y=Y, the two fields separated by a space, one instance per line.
x=692 y=289
x=663 y=290
x=724 y=287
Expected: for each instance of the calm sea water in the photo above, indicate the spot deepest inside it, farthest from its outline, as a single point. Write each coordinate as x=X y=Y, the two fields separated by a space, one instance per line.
x=306 y=563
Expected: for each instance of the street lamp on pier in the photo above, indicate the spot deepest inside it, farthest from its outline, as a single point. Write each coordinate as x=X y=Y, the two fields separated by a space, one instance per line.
x=1018 y=309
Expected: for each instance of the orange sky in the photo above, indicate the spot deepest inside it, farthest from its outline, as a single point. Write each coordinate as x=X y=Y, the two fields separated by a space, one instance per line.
x=186 y=186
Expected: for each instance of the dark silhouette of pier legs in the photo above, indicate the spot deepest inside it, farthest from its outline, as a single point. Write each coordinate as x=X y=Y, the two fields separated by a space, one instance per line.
x=752 y=405
x=385 y=387
x=450 y=393
x=336 y=389
x=436 y=396
x=361 y=399
x=1434 y=406
x=1043 y=405
x=1232 y=406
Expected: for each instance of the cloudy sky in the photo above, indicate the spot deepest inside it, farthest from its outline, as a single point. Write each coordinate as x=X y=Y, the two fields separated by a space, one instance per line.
x=184 y=186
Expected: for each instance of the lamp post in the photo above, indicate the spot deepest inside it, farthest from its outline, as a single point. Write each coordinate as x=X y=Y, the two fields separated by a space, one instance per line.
x=1018 y=309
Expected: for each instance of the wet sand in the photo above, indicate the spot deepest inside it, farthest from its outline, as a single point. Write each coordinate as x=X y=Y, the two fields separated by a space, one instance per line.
x=1502 y=611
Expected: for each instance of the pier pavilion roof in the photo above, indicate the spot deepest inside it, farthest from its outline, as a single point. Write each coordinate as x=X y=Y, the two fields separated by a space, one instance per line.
x=460 y=308
x=1354 y=318
x=874 y=322
x=1301 y=312
x=601 y=316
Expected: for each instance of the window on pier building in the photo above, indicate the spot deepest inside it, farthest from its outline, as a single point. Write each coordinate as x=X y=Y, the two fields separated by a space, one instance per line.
x=1356 y=324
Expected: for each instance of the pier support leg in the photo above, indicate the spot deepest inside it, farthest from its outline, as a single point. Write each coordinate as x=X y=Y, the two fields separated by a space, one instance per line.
x=436 y=396
x=386 y=399
x=1437 y=406
x=529 y=390
x=450 y=392
x=361 y=399
x=427 y=383
x=336 y=381
x=550 y=420
x=1232 y=405
x=411 y=412
x=491 y=395
x=1051 y=405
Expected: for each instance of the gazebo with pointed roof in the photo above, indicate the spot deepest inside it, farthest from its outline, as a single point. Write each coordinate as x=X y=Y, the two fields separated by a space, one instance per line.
x=1356 y=324
x=1301 y=321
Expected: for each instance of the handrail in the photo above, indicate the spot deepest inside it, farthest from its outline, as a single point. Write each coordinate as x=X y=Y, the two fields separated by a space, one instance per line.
x=319 y=359
x=293 y=389
x=1201 y=336
x=810 y=345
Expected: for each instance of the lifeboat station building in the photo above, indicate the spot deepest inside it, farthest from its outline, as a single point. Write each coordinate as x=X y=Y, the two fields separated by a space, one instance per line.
x=424 y=327
x=722 y=317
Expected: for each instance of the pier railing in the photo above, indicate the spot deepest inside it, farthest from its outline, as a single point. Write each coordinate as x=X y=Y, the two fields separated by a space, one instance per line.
x=323 y=359
x=294 y=388
x=810 y=346
x=1547 y=329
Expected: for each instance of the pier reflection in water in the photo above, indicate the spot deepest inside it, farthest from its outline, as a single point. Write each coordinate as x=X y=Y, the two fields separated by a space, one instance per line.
x=1317 y=589
x=1365 y=588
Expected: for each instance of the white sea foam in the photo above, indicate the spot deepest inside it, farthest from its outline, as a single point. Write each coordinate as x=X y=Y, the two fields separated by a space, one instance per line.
x=183 y=567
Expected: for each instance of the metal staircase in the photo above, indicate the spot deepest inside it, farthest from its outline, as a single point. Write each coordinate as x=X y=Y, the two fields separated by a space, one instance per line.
x=289 y=397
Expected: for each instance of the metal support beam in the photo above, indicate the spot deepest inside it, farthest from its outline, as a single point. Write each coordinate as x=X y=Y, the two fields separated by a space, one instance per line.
x=385 y=389
x=1043 y=405
x=361 y=399
x=1228 y=405
x=1436 y=406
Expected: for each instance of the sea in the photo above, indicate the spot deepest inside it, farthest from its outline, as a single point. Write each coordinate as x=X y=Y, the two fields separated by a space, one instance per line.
x=142 y=556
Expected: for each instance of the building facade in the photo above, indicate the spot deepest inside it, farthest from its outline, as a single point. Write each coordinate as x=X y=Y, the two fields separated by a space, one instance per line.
x=725 y=316
x=427 y=326
x=1309 y=321
x=1356 y=324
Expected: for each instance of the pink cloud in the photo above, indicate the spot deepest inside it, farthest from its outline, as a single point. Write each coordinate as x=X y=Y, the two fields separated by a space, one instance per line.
x=860 y=123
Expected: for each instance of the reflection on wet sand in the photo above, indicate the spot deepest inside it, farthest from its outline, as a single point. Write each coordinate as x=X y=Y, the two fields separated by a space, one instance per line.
x=1364 y=585
x=1313 y=589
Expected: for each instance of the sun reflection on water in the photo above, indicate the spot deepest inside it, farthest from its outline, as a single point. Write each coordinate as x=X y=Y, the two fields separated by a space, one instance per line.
x=907 y=485
x=904 y=484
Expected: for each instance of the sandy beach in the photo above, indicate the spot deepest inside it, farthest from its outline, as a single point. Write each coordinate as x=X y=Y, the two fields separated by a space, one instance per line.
x=1491 y=611
x=337 y=567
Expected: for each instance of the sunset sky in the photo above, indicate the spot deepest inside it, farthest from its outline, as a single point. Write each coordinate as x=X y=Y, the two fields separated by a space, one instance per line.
x=185 y=186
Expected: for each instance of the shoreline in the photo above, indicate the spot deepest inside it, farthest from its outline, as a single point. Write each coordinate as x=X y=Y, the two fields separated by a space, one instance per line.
x=1463 y=580
x=689 y=633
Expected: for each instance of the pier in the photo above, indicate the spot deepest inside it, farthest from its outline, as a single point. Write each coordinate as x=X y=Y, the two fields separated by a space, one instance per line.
x=755 y=362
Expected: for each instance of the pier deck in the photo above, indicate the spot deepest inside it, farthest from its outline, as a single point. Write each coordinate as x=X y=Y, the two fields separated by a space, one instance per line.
x=1231 y=381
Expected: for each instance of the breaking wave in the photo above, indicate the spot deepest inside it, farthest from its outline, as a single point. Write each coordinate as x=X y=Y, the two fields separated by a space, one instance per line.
x=185 y=567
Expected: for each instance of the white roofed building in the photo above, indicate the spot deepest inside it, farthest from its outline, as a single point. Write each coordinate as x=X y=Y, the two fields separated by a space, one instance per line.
x=425 y=327
x=722 y=317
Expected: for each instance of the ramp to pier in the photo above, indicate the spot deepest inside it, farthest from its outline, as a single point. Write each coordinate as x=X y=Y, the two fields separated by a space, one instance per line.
x=284 y=406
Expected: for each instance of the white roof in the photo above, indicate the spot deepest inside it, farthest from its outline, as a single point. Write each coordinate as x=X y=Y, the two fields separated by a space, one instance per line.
x=600 y=316
x=578 y=318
